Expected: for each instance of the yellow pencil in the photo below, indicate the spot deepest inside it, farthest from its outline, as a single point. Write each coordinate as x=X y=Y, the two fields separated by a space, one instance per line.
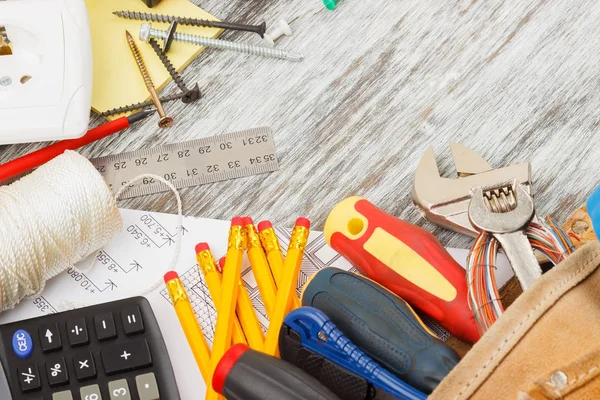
x=212 y=276
x=270 y=244
x=229 y=288
x=260 y=266
x=291 y=268
x=247 y=316
x=189 y=323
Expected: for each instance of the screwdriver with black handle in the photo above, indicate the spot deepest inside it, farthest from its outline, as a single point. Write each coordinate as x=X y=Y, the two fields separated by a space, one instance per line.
x=383 y=325
x=246 y=374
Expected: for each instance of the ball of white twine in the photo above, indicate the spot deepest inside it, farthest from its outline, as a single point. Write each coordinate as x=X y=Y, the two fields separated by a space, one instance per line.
x=50 y=220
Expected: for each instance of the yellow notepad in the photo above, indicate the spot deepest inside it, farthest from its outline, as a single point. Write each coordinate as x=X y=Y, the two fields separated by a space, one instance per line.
x=117 y=80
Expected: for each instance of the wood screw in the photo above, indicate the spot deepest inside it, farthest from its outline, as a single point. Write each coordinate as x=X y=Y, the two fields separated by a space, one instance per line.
x=141 y=16
x=164 y=121
x=189 y=96
x=146 y=33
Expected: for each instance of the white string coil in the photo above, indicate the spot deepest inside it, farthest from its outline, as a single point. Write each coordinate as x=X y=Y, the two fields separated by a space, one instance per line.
x=50 y=220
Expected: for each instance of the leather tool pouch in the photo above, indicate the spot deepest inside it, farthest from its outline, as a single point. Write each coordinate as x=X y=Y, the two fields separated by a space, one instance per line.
x=545 y=346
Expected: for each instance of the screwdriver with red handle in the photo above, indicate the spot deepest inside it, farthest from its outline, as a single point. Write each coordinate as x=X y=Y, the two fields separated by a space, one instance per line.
x=404 y=258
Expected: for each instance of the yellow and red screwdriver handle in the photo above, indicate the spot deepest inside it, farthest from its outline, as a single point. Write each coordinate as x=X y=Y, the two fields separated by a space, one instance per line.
x=404 y=258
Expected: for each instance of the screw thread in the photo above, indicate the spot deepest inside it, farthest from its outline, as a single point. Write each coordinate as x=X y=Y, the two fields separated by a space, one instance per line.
x=169 y=66
x=139 y=106
x=142 y=16
x=139 y=61
x=228 y=45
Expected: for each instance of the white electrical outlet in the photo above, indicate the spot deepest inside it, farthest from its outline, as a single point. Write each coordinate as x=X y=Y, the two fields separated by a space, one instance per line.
x=46 y=83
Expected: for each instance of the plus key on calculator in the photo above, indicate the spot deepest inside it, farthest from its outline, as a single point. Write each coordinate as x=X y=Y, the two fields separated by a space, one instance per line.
x=110 y=351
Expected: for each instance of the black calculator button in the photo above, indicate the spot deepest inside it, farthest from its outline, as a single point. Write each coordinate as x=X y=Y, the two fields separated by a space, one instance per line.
x=50 y=338
x=125 y=356
x=64 y=395
x=29 y=377
x=77 y=332
x=105 y=326
x=84 y=366
x=119 y=390
x=147 y=387
x=132 y=320
x=56 y=370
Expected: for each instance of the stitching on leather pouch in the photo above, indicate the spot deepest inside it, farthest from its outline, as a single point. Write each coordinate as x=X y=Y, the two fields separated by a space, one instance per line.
x=510 y=336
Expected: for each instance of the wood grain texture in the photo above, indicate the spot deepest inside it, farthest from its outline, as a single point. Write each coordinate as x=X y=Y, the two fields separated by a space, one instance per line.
x=382 y=80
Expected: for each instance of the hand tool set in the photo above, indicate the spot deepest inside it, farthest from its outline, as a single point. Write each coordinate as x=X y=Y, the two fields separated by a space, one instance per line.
x=496 y=206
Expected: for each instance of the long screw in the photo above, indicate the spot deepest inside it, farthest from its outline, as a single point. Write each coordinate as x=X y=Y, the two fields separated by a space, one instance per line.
x=164 y=121
x=139 y=106
x=141 y=16
x=188 y=95
x=147 y=33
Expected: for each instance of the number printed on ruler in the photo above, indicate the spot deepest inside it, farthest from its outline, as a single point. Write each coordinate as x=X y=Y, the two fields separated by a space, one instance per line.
x=197 y=162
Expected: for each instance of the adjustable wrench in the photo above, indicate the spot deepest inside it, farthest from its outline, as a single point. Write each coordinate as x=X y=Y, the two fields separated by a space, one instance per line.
x=460 y=205
x=506 y=212
x=445 y=201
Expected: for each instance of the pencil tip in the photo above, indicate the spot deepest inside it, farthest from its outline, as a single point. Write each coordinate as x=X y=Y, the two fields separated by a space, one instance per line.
x=140 y=116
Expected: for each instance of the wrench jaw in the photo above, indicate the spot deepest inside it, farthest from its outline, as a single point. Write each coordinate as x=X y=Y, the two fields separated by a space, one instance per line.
x=445 y=211
x=484 y=218
x=466 y=161
x=445 y=201
x=505 y=211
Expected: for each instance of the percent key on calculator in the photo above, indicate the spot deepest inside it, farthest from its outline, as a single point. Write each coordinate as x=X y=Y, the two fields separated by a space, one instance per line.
x=111 y=351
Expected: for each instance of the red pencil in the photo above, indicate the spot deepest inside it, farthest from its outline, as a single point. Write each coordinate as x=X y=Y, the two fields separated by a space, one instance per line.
x=41 y=156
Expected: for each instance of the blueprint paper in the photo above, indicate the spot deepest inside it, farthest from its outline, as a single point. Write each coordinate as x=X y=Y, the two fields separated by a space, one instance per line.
x=139 y=257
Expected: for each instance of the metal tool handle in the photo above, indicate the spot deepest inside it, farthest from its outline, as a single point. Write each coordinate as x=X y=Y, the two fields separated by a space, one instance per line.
x=516 y=245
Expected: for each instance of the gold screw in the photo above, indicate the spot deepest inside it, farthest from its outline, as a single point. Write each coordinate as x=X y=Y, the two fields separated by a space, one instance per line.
x=165 y=121
x=5 y=49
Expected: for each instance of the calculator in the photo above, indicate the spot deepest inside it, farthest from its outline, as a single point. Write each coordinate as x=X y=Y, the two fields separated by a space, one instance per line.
x=110 y=351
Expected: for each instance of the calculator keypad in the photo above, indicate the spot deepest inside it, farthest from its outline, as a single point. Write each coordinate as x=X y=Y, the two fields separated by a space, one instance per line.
x=64 y=395
x=91 y=392
x=84 y=366
x=119 y=390
x=29 y=377
x=112 y=351
x=77 y=332
x=105 y=326
x=132 y=320
x=50 y=338
x=56 y=371
x=147 y=387
x=125 y=357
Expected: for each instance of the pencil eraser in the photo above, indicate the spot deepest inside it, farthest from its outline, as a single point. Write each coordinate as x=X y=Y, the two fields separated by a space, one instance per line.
x=262 y=225
x=247 y=221
x=303 y=222
x=221 y=263
x=169 y=276
x=237 y=221
x=201 y=247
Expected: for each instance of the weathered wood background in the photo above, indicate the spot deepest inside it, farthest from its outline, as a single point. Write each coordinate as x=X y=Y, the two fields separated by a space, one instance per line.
x=382 y=80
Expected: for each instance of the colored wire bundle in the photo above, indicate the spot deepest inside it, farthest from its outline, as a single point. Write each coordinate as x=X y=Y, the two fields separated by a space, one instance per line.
x=484 y=296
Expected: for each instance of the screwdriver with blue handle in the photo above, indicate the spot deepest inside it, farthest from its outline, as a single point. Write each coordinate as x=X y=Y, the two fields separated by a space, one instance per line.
x=317 y=333
x=383 y=325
